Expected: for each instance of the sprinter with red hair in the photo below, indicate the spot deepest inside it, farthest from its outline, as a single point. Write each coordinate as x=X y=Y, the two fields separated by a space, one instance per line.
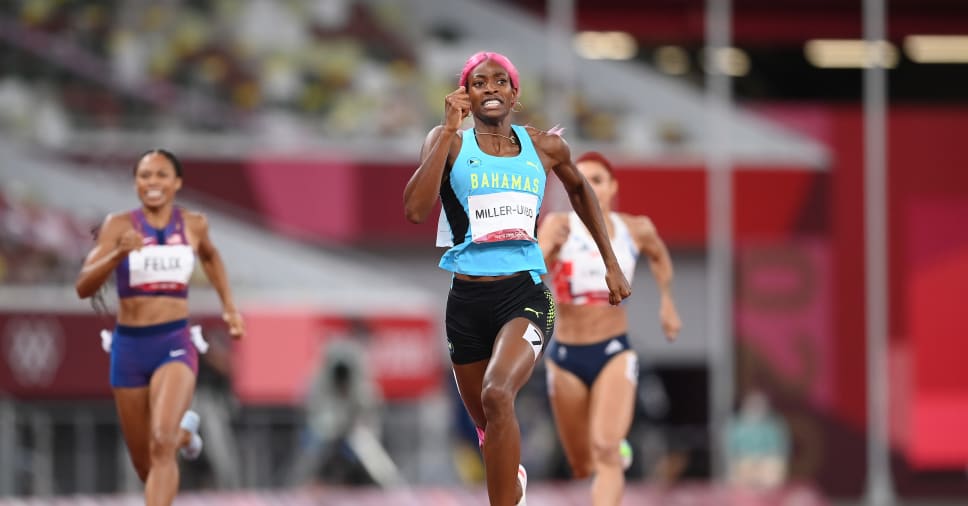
x=592 y=371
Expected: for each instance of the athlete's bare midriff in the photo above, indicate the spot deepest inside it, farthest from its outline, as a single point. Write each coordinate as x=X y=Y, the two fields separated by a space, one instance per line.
x=140 y=311
x=587 y=323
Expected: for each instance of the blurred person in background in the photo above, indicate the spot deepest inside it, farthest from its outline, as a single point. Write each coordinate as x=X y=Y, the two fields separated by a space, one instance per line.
x=592 y=371
x=343 y=407
x=758 y=445
x=151 y=251
x=491 y=181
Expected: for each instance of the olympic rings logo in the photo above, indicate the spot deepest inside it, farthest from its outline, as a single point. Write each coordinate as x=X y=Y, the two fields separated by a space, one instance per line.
x=34 y=349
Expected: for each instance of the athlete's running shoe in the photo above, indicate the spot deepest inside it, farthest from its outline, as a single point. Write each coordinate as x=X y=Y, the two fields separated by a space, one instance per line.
x=625 y=451
x=523 y=480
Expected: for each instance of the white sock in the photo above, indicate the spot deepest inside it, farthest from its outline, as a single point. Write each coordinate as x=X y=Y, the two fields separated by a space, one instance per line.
x=190 y=421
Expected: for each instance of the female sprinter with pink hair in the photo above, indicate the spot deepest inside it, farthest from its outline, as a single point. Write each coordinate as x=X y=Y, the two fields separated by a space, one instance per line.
x=491 y=180
x=152 y=250
x=592 y=371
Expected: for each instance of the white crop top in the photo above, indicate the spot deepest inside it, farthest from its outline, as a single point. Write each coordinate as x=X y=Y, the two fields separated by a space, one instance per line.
x=579 y=273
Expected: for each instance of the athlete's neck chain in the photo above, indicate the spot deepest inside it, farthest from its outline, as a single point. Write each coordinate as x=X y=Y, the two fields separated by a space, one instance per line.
x=510 y=139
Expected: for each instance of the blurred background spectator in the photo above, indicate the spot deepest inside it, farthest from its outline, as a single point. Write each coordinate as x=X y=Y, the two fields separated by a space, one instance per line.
x=758 y=445
x=343 y=411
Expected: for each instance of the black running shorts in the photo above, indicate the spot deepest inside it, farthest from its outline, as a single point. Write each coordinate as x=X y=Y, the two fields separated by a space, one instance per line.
x=477 y=310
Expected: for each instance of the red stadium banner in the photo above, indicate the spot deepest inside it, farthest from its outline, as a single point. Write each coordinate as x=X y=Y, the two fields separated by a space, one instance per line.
x=937 y=288
x=49 y=356
x=403 y=353
x=52 y=356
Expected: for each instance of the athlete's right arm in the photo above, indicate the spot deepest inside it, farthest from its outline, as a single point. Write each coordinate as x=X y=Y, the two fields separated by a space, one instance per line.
x=115 y=239
x=421 y=193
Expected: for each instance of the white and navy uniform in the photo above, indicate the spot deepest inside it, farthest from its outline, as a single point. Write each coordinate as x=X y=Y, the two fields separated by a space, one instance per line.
x=579 y=278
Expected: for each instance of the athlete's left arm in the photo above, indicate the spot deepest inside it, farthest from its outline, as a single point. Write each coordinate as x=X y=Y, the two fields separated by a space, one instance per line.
x=214 y=269
x=555 y=153
x=649 y=242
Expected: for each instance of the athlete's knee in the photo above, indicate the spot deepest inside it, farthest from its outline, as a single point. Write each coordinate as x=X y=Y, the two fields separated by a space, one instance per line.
x=142 y=469
x=497 y=400
x=164 y=443
x=583 y=469
x=141 y=460
x=606 y=452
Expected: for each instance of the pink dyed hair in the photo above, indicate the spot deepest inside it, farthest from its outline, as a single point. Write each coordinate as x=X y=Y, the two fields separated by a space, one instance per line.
x=478 y=58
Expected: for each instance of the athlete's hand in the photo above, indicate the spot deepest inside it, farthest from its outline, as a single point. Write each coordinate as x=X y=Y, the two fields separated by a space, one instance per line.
x=457 y=105
x=235 y=322
x=129 y=241
x=618 y=286
x=552 y=234
x=558 y=235
x=669 y=317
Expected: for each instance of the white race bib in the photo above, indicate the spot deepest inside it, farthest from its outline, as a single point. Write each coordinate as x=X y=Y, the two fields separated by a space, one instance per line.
x=161 y=267
x=504 y=216
x=588 y=275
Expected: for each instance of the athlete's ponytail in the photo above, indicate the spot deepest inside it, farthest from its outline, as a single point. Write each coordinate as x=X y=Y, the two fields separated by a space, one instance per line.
x=98 y=301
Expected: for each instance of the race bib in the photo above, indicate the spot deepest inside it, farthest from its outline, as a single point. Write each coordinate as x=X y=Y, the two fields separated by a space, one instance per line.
x=505 y=216
x=161 y=267
x=588 y=275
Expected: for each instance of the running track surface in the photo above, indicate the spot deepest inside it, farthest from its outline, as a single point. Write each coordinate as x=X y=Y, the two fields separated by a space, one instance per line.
x=544 y=494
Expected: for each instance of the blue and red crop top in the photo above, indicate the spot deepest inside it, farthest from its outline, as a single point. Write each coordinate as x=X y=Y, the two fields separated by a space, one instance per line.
x=163 y=265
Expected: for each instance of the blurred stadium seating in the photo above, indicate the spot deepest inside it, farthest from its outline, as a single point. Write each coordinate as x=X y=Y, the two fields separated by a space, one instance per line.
x=39 y=243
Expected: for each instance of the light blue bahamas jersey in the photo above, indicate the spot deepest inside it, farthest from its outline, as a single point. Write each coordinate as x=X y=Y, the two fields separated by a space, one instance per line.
x=489 y=211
